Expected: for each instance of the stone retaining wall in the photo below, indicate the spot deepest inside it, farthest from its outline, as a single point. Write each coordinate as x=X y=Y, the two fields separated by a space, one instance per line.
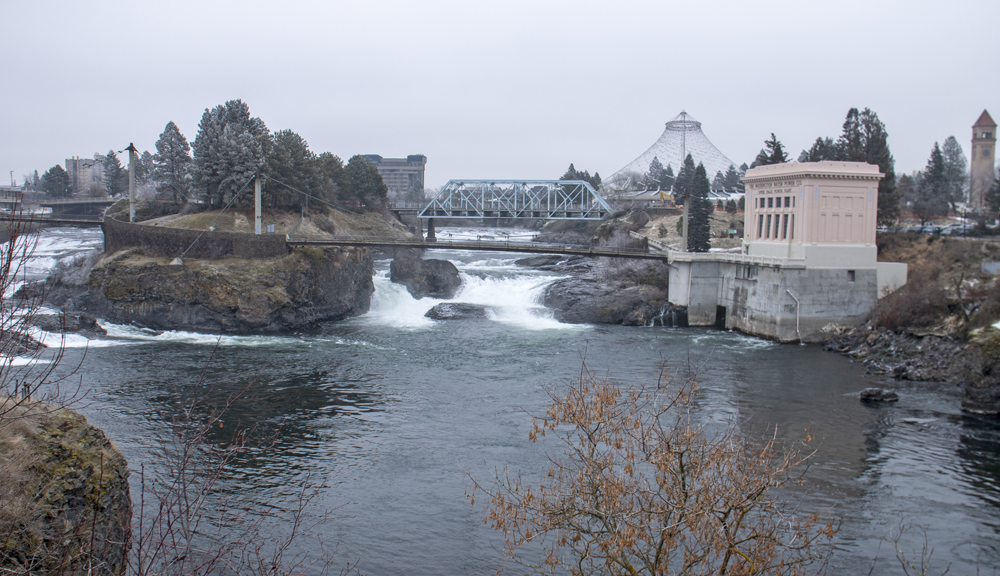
x=172 y=242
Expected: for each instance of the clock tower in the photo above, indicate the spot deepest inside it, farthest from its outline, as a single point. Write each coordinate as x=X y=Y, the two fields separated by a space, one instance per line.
x=982 y=173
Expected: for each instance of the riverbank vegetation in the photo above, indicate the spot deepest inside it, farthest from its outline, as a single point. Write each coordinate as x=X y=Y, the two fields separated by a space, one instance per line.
x=641 y=486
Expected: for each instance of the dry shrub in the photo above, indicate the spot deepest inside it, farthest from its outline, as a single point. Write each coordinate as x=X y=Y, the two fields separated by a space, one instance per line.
x=642 y=488
x=922 y=302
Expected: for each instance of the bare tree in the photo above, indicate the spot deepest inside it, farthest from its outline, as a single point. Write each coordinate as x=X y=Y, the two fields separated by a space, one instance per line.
x=643 y=489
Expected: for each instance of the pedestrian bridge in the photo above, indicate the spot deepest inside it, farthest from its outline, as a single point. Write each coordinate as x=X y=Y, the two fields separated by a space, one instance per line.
x=480 y=245
x=546 y=199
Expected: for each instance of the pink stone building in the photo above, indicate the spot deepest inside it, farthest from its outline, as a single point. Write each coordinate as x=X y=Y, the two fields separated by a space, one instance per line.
x=809 y=257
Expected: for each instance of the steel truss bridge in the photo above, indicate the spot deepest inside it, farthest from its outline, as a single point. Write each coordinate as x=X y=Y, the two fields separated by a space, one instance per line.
x=546 y=199
x=480 y=245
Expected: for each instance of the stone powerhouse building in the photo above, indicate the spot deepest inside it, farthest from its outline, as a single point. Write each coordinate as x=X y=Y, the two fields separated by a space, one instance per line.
x=809 y=256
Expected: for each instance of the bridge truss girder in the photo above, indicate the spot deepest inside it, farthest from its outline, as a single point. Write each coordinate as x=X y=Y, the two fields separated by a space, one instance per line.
x=546 y=199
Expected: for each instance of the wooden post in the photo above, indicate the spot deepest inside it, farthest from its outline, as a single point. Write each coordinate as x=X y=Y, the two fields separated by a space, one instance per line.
x=131 y=181
x=256 y=204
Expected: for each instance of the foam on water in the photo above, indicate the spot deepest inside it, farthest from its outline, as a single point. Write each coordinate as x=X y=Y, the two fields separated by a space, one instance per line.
x=512 y=300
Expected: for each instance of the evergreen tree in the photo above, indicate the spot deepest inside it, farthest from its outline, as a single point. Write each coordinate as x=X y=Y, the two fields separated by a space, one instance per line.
x=865 y=139
x=144 y=168
x=115 y=175
x=668 y=178
x=655 y=175
x=993 y=195
x=573 y=174
x=699 y=236
x=927 y=192
x=719 y=182
x=822 y=149
x=292 y=163
x=742 y=203
x=731 y=206
x=365 y=182
x=230 y=148
x=772 y=153
x=956 y=171
x=55 y=182
x=685 y=180
x=172 y=163
x=732 y=181
x=336 y=185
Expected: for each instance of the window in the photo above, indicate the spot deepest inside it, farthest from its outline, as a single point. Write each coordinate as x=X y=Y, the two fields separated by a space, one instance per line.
x=770 y=202
x=760 y=227
x=850 y=275
x=793 y=226
x=788 y=201
x=987 y=134
x=986 y=152
x=793 y=201
x=784 y=227
x=761 y=202
x=768 y=225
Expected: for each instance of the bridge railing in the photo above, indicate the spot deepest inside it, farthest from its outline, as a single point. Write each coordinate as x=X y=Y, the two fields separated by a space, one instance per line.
x=478 y=244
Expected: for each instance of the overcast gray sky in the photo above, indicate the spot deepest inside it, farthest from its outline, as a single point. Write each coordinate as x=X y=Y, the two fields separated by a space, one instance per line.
x=494 y=89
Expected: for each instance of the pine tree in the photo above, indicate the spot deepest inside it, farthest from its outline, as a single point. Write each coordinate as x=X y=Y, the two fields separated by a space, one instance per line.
x=699 y=237
x=292 y=163
x=772 y=153
x=684 y=180
x=668 y=178
x=144 y=168
x=573 y=174
x=956 y=171
x=865 y=139
x=732 y=180
x=928 y=192
x=172 y=163
x=365 y=182
x=115 y=175
x=335 y=182
x=230 y=148
x=654 y=177
x=55 y=182
x=719 y=182
x=822 y=149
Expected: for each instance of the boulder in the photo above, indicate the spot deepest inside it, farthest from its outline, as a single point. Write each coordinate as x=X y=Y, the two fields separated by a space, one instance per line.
x=69 y=511
x=540 y=261
x=69 y=323
x=878 y=395
x=433 y=278
x=589 y=301
x=456 y=311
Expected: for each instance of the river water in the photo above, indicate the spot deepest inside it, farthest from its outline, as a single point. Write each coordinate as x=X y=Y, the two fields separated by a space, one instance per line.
x=393 y=411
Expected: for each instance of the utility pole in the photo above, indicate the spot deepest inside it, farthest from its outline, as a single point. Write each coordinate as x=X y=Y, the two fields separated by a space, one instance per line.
x=131 y=181
x=256 y=204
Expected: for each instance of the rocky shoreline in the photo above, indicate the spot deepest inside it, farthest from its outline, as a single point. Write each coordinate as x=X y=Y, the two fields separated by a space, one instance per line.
x=973 y=365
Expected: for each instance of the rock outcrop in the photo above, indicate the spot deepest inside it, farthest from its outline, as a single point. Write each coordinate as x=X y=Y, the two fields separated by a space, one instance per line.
x=981 y=382
x=587 y=301
x=456 y=311
x=65 y=492
x=308 y=286
x=589 y=297
x=433 y=278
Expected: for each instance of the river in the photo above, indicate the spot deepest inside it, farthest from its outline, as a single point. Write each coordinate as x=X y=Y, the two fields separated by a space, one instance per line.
x=393 y=411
